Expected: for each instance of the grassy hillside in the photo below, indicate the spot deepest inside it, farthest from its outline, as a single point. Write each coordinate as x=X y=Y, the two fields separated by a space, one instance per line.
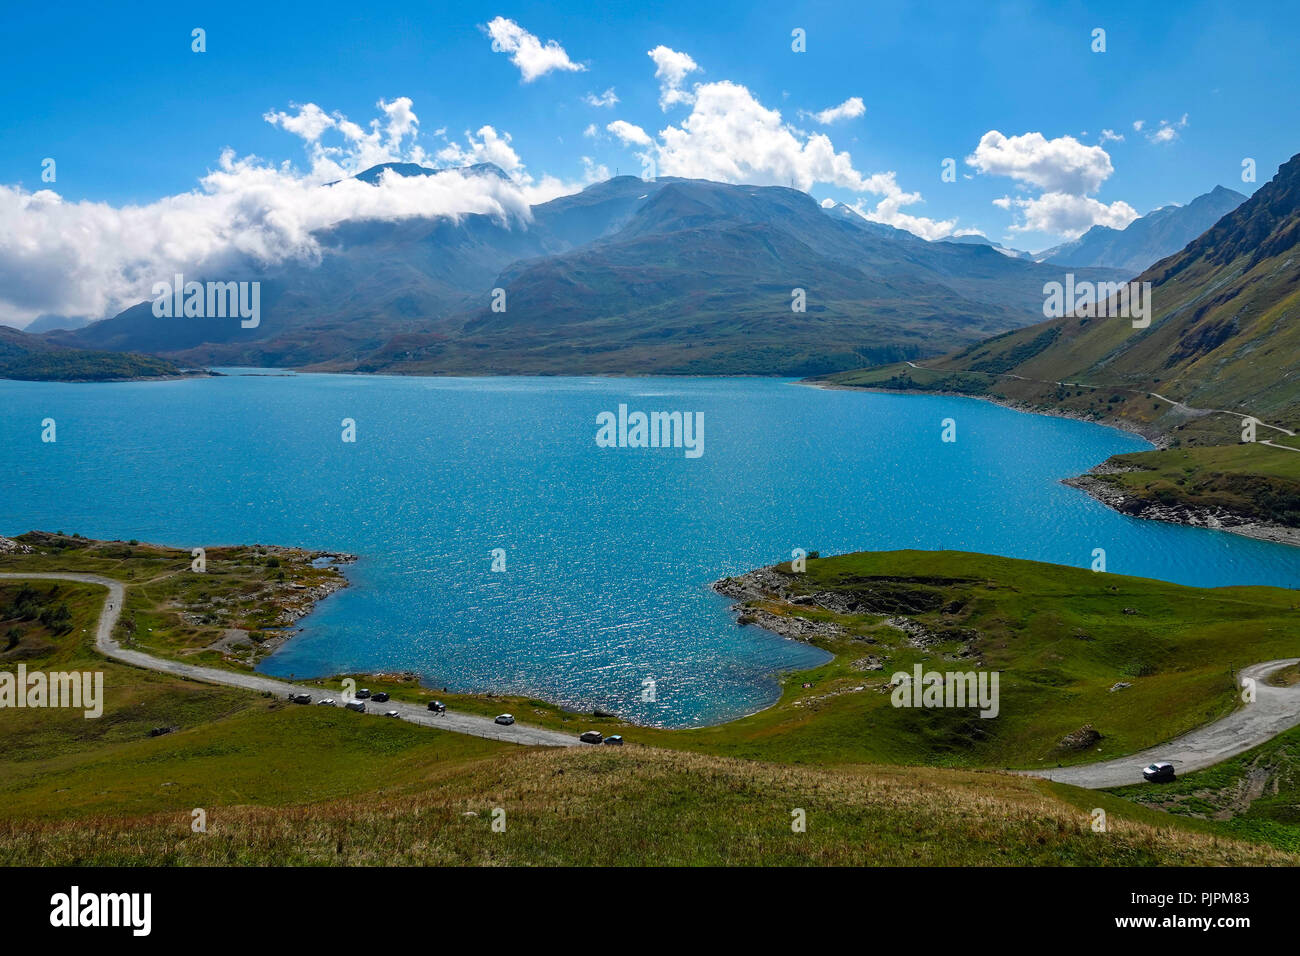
x=232 y=614
x=1251 y=480
x=1222 y=344
x=1255 y=795
x=288 y=784
x=1220 y=336
x=639 y=806
x=1060 y=637
x=29 y=358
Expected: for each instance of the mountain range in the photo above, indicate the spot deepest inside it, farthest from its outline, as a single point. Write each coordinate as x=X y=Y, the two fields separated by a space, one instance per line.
x=1222 y=335
x=628 y=276
x=1147 y=240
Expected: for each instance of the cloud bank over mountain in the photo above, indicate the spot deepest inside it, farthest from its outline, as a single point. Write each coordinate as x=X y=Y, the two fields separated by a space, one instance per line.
x=86 y=258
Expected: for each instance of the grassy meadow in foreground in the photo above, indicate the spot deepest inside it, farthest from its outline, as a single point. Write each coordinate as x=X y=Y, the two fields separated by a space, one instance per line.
x=642 y=806
x=286 y=784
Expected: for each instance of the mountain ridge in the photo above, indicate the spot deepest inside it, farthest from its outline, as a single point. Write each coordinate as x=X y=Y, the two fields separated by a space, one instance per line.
x=671 y=275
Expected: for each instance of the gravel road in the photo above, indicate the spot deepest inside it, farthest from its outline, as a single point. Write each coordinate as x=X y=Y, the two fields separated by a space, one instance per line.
x=1274 y=710
x=459 y=723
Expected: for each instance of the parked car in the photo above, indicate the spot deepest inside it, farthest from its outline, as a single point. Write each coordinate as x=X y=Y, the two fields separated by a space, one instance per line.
x=1159 y=772
x=392 y=713
x=591 y=737
x=437 y=706
x=358 y=705
x=363 y=693
x=505 y=719
x=380 y=697
x=615 y=739
x=328 y=702
x=300 y=698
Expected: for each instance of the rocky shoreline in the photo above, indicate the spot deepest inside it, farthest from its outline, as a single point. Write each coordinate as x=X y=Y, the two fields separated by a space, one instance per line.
x=293 y=601
x=1218 y=519
x=768 y=584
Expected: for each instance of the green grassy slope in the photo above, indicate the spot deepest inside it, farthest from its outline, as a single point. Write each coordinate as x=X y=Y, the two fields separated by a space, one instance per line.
x=30 y=358
x=639 y=807
x=1222 y=343
x=1255 y=795
x=1252 y=480
x=1220 y=336
x=1060 y=637
x=286 y=784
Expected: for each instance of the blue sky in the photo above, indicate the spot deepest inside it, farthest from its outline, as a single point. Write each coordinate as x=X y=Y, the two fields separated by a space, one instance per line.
x=132 y=115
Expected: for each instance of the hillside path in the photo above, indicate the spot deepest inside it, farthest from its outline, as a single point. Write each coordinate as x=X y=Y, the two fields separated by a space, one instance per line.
x=1122 y=388
x=107 y=645
x=1274 y=710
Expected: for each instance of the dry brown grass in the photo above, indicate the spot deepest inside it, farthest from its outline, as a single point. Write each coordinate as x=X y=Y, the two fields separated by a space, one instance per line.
x=640 y=806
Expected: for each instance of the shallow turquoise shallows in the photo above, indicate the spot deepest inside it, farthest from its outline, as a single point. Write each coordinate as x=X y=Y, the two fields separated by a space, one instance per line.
x=608 y=551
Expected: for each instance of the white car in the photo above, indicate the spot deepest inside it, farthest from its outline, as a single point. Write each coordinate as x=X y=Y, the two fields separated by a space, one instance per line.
x=328 y=702
x=1161 y=772
x=505 y=719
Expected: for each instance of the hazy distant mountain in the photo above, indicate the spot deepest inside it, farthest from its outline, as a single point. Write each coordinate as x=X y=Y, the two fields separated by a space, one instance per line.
x=985 y=241
x=1223 y=333
x=700 y=279
x=48 y=323
x=670 y=275
x=848 y=214
x=1147 y=240
x=375 y=173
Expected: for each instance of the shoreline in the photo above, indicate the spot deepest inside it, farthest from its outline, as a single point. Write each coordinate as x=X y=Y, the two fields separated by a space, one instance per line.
x=1212 y=519
x=1208 y=519
x=1158 y=441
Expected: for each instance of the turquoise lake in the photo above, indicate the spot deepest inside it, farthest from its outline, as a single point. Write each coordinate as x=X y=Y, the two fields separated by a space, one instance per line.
x=608 y=551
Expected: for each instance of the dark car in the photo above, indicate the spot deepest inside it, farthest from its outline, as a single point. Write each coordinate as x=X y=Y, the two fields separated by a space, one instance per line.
x=437 y=706
x=591 y=737
x=1159 y=773
x=300 y=698
x=363 y=693
x=380 y=697
x=615 y=739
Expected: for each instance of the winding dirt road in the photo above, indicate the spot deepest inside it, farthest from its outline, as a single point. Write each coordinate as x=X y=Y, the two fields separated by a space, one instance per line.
x=459 y=723
x=1274 y=710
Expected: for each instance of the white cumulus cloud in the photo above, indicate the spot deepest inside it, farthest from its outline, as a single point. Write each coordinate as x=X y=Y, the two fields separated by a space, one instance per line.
x=671 y=70
x=1067 y=215
x=629 y=133
x=1064 y=169
x=731 y=137
x=94 y=259
x=1054 y=165
x=533 y=57
x=851 y=108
